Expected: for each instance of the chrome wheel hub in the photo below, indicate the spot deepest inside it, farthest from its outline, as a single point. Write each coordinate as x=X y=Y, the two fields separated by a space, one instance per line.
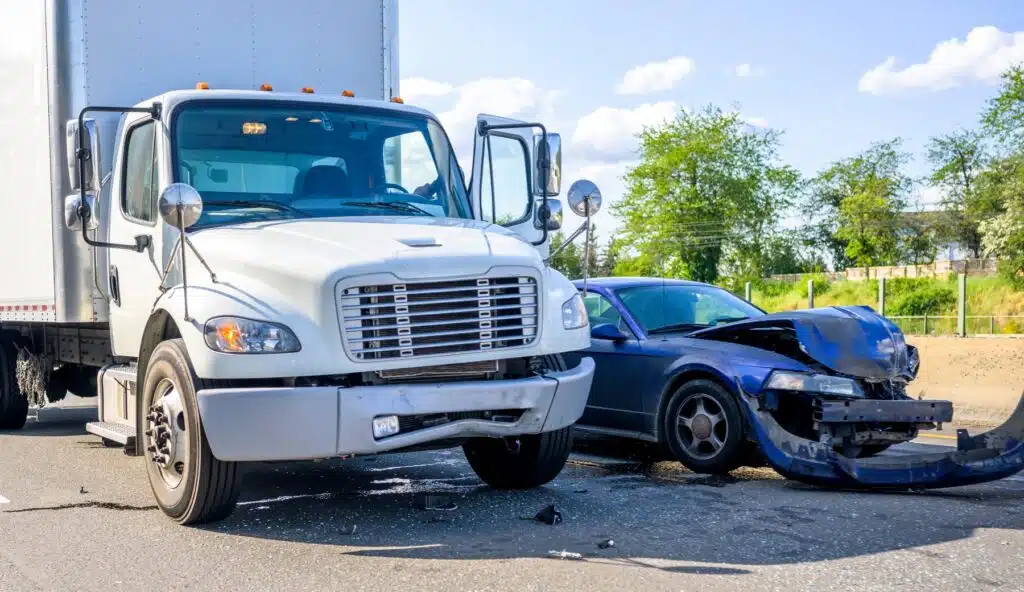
x=166 y=440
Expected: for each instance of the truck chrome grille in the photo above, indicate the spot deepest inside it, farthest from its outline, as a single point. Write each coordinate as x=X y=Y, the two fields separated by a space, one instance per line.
x=419 y=319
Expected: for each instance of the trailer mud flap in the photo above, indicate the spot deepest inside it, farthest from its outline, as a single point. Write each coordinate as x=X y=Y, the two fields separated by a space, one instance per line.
x=989 y=456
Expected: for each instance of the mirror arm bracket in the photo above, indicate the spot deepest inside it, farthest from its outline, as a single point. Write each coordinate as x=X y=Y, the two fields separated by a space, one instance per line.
x=483 y=128
x=83 y=154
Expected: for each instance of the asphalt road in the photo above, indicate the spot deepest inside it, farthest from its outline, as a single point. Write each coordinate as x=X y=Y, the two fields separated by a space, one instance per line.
x=77 y=516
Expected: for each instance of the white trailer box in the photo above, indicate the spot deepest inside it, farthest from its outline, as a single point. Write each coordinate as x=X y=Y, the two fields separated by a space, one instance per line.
x=58 y=56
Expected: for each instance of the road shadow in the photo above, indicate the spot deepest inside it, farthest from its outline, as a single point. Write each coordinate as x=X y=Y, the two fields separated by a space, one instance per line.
x=658 y=515
x=53 y=421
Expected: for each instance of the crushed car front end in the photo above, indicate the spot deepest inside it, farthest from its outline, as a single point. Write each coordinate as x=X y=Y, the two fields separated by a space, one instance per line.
x=827 y=421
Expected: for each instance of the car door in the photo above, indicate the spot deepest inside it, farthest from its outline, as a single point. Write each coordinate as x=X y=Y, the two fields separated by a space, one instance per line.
x=501 y=184
x=133 y=278
x=616 y=395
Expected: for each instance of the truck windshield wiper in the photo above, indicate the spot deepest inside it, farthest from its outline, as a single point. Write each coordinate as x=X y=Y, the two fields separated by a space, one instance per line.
x=259 y=203
x=399 y=206
x=676 y=328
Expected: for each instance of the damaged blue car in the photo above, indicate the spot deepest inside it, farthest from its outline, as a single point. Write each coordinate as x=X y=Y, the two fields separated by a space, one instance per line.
x=819 y=393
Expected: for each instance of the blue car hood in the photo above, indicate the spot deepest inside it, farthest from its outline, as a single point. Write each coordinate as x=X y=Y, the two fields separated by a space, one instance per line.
x=850 y=340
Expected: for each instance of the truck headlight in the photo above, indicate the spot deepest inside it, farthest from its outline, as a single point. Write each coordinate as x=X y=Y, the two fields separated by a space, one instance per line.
x=574 y=314
x=813 y=383
x=235 y=335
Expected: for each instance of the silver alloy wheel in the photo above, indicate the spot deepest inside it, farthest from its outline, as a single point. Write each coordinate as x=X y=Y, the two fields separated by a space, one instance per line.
x=166 y=440
x=702 y=428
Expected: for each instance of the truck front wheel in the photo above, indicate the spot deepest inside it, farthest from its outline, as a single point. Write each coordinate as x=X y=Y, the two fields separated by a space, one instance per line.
x=523 y=462
x=190 y=485
x=13 y=403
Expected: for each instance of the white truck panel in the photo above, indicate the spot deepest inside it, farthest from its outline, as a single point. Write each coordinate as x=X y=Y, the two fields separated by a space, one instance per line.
x=26 y=245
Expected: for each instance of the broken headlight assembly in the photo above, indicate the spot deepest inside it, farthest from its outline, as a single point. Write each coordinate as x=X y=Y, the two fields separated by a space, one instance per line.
x=824 y=384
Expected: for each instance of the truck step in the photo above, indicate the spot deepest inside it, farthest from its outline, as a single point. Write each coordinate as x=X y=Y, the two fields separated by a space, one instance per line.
x=114 y=432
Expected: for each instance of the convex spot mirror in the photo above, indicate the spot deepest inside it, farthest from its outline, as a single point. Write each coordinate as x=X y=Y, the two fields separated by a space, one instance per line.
x=553 y=150
x=551 y=216
x=180 y=205
x=584 y=198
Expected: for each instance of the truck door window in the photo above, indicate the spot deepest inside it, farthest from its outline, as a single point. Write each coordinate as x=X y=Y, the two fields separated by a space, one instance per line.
x=505 y=181
x=408 y=162
x=139 y=181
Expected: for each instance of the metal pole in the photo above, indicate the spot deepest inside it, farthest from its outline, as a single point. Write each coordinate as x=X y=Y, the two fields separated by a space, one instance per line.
x=881 y=296
x=991 y=325
x=925 y=323
x=961 y=307
x=747 y=293
x=810 y=293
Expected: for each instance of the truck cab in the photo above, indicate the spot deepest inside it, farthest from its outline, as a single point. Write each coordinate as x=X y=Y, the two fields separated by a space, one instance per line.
x=257 y=274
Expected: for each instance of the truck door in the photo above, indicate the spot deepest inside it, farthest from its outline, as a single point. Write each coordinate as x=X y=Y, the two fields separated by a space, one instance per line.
x=133 y=278
x=502 y=183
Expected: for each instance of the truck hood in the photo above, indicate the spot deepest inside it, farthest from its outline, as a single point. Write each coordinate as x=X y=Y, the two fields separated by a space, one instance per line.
x=850 y=340
x=316 y=248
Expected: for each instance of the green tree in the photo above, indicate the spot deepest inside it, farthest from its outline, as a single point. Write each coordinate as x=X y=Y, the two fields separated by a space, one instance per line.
x=1004 y=115
x=594 y=253
x=1003 y=234
x=957 y=159
x=569 y=261
x=706 y=186
x=610 y=258
x=853 y=207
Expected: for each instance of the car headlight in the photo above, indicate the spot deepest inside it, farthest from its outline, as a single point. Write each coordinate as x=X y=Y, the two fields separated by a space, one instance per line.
x=813 y=383
x=574 y=314
x=235 y=335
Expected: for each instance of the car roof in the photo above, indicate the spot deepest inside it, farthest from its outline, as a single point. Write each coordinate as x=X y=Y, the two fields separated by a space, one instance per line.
x=615 y=283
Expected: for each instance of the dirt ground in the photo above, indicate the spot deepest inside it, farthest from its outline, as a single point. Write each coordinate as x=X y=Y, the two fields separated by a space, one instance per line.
x=984 y=377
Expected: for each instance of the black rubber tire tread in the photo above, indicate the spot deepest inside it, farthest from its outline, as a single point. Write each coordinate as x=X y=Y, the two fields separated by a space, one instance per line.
x=733 y=453
x=216 y=484
x=540 y=459
x=13 y=403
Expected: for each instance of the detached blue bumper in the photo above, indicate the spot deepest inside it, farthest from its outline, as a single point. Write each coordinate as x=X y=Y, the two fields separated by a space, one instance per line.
x=989 y=456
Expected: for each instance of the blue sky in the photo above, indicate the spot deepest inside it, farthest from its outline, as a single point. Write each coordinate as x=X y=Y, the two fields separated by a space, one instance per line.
x=801 y=67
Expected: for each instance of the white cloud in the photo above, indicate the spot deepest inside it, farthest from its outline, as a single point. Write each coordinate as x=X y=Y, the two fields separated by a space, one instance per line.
x=656 y=76
x=608 y=134
x=981 y=57
x=760 y=122
x=744 y=70
x=415 y=89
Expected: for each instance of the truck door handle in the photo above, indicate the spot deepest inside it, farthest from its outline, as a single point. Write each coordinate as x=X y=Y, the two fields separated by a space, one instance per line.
x=115 y=286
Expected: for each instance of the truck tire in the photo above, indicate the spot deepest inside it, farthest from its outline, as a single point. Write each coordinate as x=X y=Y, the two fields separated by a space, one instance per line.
x=523 y=462
x=13 y=403
x=190 y=485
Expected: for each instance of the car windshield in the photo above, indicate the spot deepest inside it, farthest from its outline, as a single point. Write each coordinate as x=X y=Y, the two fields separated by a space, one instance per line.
x=682 y=308
x=255 y=161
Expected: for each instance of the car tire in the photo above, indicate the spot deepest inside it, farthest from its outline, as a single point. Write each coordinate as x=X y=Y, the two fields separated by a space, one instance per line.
x=703 y=427
x=201 y=489
x=13 y=403
x=523 y=462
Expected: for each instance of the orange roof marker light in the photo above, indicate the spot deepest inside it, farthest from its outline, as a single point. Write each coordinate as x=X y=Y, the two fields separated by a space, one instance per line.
x=397 y=100
x=202 y=86
x=347 y=93
x=266 y=87
x=308 y=90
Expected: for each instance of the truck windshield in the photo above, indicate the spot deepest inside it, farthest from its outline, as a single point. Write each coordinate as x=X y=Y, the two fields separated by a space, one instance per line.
x=259 y=161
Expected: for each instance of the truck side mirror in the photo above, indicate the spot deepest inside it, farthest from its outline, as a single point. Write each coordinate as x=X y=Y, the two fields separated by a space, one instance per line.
x=551 y=215
x=93 y=166
x=552 y=153
x=72 y=219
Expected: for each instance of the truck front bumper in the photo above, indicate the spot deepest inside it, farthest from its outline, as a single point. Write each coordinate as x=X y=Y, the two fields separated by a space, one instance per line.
x=271 y=424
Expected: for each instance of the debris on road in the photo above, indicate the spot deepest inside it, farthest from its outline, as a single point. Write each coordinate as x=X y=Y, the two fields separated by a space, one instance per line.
x=549 y=515
x=348 y=530
x=606 y=544
x=563 y=554
x=82 y=490
x=434 y=501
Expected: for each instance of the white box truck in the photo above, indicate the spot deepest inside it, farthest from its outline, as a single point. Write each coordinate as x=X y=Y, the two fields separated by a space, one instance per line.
x=220 y=220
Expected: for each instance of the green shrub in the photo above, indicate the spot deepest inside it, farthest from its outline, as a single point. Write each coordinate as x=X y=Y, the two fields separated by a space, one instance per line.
x=821 y=285
x=775 y=288
x=925 y=300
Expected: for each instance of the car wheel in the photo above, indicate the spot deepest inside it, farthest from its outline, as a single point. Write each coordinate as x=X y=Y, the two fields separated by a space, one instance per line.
x=190 y=485
x=703 y=427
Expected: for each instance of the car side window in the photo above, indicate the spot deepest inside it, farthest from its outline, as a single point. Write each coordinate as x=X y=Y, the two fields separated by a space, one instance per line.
x=600 y=312
x=139 y=186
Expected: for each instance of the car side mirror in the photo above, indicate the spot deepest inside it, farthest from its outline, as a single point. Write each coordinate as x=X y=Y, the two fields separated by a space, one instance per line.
x=550 y=153
x=608 y=332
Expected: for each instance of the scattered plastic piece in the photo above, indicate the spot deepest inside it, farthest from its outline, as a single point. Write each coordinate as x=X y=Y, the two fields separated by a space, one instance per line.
x=606 y=544
x=433 y=501
x=580 y=491
x=82 y=490
x=347 y=530
x=565 y=555
x=549 y=515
